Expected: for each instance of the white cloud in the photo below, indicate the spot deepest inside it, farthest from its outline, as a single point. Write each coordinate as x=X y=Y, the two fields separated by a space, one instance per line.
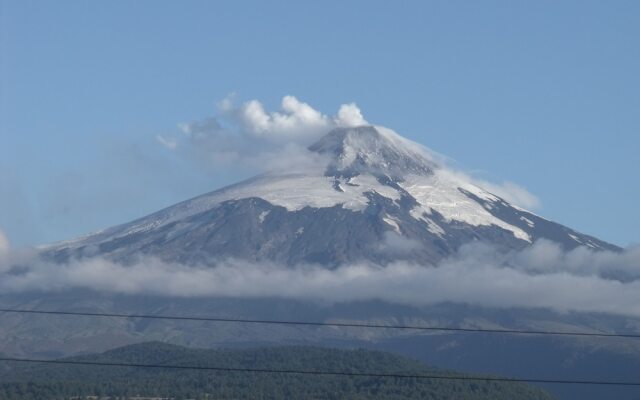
x=255 y=117
x=541 y=276
x=350 y=115
x=297 y=120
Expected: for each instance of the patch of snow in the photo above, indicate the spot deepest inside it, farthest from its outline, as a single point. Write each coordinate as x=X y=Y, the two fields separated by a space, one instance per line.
x=440 y=192
x=594 y=245
x=528 y=221
x=295 y=192
x=527 y=211
x=574 y=237
x=393 y=223
x=263 y=215
x=434 y=227
x=366 y=182
x=419 y=212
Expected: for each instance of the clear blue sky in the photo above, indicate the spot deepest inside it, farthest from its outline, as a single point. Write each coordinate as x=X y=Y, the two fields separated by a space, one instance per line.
x=542 y=93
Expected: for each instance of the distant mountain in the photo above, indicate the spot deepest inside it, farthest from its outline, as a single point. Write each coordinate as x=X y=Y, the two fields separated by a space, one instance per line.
x=376 y=186
x=18 y=381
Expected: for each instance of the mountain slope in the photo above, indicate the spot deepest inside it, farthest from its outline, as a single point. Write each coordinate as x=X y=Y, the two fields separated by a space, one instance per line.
x=64 y=381
x=379 y=197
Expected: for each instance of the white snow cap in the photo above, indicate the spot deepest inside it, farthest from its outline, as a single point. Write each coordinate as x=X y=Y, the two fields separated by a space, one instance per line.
x=360 y=156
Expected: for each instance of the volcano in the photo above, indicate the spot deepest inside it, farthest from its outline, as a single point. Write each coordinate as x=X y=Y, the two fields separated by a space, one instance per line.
x=376 y=197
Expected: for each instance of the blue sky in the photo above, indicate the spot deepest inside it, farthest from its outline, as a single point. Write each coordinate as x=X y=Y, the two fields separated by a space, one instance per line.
x=542 y=93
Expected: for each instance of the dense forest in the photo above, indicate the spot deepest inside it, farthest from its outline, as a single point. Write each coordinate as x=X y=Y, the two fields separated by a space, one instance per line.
x=59 y=381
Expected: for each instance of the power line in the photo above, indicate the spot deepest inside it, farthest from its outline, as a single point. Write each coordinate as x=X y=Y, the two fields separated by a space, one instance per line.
x=329 y=324
x=325 y=373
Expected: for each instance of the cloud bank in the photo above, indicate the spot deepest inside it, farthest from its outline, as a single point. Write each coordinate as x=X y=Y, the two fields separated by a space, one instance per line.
x=541 y=276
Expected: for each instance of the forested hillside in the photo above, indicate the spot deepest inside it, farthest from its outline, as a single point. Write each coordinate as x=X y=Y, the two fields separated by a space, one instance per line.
x=59 y=381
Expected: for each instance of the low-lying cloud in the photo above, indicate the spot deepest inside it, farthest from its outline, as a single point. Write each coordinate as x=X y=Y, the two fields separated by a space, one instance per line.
x=541 y=276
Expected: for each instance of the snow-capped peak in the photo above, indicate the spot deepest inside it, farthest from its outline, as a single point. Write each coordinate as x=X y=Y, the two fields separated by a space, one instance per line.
x=372 y=149
x=376 y=181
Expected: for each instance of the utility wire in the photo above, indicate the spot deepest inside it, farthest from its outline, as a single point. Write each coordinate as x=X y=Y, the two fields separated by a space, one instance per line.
x=326 y=373
x=329 y=324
